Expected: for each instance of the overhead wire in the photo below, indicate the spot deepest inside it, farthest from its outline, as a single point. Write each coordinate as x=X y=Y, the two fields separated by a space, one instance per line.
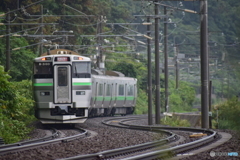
x=34 y=44
x=80 y=25
x=18 y=32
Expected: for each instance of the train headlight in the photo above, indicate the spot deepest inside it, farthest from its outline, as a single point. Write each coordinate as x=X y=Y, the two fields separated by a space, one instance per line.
x=80 y=92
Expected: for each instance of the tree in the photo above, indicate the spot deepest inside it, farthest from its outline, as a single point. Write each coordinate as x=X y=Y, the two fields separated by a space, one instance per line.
x=132 y=69
x=181 y=99
x=21 y=60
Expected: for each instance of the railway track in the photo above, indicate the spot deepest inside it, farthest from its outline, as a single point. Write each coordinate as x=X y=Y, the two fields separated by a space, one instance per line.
x=109 y=142
x=142 y=150
x=53 y=138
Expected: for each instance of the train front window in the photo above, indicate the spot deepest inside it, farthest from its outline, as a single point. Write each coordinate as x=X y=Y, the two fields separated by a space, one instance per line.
x=43 y=70
x=62 y=76
x=81 y=70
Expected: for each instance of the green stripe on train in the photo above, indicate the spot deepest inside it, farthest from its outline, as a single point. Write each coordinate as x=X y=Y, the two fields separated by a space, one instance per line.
x=43 y=84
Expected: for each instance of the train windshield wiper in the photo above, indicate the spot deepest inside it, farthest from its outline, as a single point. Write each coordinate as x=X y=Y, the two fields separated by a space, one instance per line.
x=76 y=73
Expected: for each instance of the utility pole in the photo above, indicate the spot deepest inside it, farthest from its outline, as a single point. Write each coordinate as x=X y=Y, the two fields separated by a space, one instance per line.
x=166 y=58
x=157 y=65
x=176 y=66
x=100 y=63
x=177 y=73
x=149 y=74
x=204 y=65
x=41 y=45
x=210 y=104
x=8 y=54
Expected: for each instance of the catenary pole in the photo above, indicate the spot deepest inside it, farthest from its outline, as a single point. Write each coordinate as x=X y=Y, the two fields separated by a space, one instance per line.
x=204 y=65
x=166 y=58
x=149 y=74
x=41 y=45
x=8 y=54
x=157 y=66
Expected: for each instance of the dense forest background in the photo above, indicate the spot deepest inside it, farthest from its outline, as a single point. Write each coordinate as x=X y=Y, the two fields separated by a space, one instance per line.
x=84 y=20
x=183 y=32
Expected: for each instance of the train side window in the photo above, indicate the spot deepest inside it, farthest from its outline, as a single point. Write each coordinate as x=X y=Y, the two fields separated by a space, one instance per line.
x=130 y=90
x=121 y=90
x=108 y=91
x=100 y=89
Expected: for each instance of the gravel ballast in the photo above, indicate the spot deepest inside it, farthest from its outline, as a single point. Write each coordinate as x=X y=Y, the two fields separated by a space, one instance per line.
x=105 y=138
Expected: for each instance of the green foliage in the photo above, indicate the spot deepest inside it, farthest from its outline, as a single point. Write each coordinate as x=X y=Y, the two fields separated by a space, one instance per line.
x=227 y=114
x=23 y=108
x=175 y=122
x=12 y=130
x=126 y=68
x=222 y=16
x=132 y=69
x=21 y=60
x=141 y=105
x=181 y=99
x=16 y=108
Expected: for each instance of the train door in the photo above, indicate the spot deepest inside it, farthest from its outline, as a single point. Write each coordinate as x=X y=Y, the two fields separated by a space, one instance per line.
x=135 y=95
x=130 y=95
x=62 y=84
x=125 y=95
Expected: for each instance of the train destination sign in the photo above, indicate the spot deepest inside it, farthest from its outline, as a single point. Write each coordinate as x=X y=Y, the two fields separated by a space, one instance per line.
x=62 y=59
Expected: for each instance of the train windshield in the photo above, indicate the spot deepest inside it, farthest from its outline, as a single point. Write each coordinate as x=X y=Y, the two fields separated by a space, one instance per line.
x=81 y=70
x=62 y=76
x=43 y=70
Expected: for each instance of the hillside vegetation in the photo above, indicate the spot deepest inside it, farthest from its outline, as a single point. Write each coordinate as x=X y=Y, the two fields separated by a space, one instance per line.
x=123 y=54
x=16 y=108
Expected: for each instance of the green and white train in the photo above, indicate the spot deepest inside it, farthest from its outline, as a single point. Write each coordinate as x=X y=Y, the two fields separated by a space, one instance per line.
x=68 y=90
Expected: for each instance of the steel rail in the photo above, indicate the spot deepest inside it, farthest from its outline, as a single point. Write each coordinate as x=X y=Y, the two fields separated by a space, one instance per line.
x=55 y=134
x=176 y=149
x=40 y=142
x=154 y=154
x=129 y=149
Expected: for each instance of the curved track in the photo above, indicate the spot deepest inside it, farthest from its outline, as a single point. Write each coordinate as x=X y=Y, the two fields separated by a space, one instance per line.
x=51 y=139
x=123 y=122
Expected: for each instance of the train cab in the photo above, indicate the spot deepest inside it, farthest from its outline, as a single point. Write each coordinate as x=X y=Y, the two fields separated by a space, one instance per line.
x=62 y=87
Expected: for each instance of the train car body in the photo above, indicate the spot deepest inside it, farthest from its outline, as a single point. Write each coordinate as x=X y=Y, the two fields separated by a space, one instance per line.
x=67 y=90
x=112 y=95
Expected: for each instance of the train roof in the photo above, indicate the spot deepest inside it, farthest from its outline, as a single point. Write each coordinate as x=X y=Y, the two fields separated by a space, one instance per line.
x=62 y=53
x=113 y=77
x=59 y=51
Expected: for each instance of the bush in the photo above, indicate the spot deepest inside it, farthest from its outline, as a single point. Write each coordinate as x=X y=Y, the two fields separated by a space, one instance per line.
x=16 y=108
x=227 y=115
x=13 y=130
x=175 y=122
x=142 y=103
x=182 y=99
